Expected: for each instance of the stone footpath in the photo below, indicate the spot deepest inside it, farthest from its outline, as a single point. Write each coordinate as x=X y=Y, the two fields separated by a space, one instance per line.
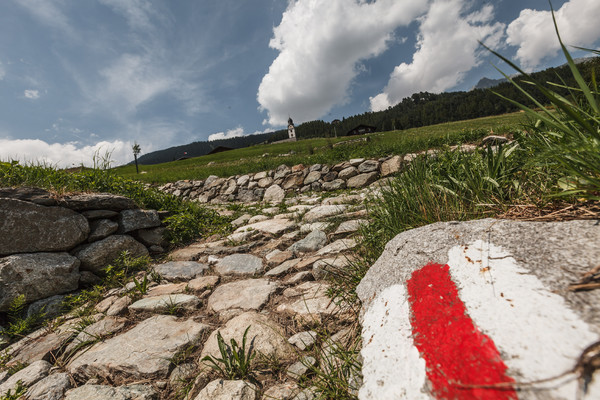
x=269 y=275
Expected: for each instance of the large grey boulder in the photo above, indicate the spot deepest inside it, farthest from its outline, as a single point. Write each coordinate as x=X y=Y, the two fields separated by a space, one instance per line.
x=131 y=220
x=391 y=166
x=228 y=390
x=249 y=294
x=140 y=353
x=101 y=228
x=97 y=201
x=103 y=392
x=37 y=276
x=368 y=166
x=511 y=277
x=30 y=194
x=362 y=180
x=274 y=195
x=28 y=227
x=335 y=184
x=95 y=256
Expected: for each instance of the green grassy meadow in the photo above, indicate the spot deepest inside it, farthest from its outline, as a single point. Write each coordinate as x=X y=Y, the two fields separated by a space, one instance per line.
x=321 y=150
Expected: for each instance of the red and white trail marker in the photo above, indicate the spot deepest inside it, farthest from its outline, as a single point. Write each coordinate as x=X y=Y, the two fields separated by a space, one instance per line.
x=452 y=331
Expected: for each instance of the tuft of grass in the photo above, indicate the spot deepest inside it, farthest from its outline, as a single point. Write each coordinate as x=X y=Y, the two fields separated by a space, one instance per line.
x=235 y=361
x=18 y=392
x=19 y=324
x=568 y=140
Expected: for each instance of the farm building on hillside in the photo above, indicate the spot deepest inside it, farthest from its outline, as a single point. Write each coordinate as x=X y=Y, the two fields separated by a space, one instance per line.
x=361 y=130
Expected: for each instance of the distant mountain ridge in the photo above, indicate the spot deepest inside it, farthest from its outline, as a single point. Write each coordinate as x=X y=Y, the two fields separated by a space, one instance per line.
x=486 y=83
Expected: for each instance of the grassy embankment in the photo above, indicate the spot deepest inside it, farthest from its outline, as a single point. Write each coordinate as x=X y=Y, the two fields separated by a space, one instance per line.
x=321 y=151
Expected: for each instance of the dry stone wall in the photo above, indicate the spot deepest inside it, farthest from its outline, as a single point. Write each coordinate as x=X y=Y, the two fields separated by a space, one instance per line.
x=52 y=245
x=273 y=186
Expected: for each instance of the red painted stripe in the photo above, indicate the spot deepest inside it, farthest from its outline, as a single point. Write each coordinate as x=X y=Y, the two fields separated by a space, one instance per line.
x=452 y=346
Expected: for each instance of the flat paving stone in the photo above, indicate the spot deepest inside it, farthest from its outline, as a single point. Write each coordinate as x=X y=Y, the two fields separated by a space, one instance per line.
x=338 y=246
x=309 y=303
x=166 y=302
x=271 y=226
x=322 y=212
x=140 y=353
x=239 y=264
x=227 y=390
x=266 y=336
x=97 y=330
x=180 y=270
x=283 y=268
x=168 y=288
x=103 y=392
x=249 y=294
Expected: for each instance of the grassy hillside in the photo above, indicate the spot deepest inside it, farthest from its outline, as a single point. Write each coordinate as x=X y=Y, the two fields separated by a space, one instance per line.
x=312 y=151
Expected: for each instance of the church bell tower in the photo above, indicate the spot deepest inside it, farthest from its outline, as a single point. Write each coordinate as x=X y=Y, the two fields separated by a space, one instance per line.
x=291 y=130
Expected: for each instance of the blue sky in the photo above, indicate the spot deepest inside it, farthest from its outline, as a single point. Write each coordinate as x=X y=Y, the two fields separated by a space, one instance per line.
x=98 y=75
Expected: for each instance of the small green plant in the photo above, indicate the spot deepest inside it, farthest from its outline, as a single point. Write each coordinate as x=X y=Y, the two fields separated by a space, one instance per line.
x=19 y=391
x=141 y=287
x=235 y=361
x=19 y=324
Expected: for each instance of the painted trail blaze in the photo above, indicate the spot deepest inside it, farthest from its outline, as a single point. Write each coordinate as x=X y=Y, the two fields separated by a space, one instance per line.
x=452 y=346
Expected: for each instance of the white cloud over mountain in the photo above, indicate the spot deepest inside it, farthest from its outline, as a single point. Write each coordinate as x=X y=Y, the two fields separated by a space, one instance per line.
x=447 y=49
x=533 y=33
x=321 y=44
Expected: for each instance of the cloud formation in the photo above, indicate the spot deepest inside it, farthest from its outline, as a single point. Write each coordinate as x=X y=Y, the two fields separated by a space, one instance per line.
x=236 y=132
x=32 y=94
x=320 y=45
x=63 y=155
x=533 y=32
x=447 y=49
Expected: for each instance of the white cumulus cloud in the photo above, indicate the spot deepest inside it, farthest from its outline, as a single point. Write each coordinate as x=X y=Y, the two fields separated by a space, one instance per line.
x=32 y=94
x=236 y=132
x=63 y=155
x=321 y=44
x=533 y=31
x=447 y=49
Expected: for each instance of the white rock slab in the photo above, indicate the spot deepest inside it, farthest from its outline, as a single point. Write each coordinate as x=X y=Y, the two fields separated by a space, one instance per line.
x=140 y=353
x=227 y=390
x=266 y=335
x=103 y=392
x=271 y=226
x=249 y=294
x=309 y=303
x=239 y=264
x=322 y=212
x=338 y=246
x=180 y=270
x=166 y=302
